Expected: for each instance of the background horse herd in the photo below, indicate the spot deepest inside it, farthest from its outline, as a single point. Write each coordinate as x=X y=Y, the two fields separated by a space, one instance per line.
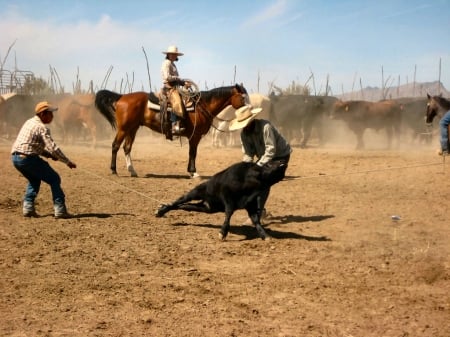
x=88 y=117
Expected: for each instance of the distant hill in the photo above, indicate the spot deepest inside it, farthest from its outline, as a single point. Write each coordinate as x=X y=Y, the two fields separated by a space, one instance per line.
x=405 y=90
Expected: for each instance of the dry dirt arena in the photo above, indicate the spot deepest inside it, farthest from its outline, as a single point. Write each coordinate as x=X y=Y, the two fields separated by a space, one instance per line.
x=337 y=265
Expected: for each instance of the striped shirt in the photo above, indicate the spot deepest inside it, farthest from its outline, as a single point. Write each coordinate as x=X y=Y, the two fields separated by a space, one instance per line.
x=264 y=142
x=34 y=139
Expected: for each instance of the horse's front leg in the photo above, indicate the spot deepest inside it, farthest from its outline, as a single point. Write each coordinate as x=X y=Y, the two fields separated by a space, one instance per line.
x=127 y=149
x=193 y=144
x=114 y=149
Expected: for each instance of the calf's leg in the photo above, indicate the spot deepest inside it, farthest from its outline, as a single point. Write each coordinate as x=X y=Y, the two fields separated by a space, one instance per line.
x=254 y=210
x=226 y=224
x=256 y=219
x=182 y=203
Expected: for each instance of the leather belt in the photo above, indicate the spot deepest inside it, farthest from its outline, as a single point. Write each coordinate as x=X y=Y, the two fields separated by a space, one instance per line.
x=20 y=154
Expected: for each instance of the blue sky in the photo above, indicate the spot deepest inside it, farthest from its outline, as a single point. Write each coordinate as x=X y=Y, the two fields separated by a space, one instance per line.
x=253 y=42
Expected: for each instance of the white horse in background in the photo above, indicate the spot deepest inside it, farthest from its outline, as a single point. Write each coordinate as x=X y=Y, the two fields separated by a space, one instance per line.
x=222 y=136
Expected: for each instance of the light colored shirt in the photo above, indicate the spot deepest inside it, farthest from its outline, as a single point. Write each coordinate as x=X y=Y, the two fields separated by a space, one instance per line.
x=34 y=139
x=169 y=72
x=264 y=142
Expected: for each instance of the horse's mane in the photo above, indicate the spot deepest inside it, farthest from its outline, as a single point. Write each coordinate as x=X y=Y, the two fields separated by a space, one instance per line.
x=216 y=92
x=443 y=102
x=220 y=92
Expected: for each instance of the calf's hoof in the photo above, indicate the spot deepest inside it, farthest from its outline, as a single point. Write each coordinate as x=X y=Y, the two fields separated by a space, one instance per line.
x=266 y=238
x=162 y=209
x=222 y=236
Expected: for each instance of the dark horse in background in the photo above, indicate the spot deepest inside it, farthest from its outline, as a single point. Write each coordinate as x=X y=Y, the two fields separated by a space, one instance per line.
x=438 y=106
x=127 y=112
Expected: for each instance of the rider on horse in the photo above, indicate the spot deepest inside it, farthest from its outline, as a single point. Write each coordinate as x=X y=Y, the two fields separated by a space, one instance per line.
x=170 y=94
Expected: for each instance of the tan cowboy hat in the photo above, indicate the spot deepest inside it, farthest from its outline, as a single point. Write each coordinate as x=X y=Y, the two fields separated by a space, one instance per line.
x=44 y=106
x=173 y=50
x=244 y=115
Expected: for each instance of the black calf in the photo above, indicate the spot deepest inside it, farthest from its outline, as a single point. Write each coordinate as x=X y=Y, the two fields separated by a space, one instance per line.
x=237 y=187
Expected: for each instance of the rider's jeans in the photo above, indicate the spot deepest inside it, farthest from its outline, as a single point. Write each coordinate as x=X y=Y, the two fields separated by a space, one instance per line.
x=443 y=125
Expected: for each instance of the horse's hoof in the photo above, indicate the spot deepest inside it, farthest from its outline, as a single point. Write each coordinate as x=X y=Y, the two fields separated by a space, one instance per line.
x=195 y=175
x=221 y=236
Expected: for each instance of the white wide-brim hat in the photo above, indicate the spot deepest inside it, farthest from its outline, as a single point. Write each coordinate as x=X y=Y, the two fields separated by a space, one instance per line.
x=244 y=115
x=172 y=50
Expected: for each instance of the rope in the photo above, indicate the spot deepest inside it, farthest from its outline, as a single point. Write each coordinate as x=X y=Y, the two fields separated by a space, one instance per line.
x=288 y=179
x=362 y=172
x=121 y=185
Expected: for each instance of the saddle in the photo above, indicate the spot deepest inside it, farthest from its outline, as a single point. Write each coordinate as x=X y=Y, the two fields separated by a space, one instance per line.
x=155 y=99
x=154 y=103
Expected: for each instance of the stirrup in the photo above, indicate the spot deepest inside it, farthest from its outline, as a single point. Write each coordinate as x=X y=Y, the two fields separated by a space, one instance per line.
x=176 y=128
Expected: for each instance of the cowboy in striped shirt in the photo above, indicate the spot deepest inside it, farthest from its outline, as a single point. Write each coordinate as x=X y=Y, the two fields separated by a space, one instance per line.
x=34 y=140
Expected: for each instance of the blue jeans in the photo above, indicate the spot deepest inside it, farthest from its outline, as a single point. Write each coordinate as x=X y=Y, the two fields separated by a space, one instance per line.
x=443 y=125
x=173 y=117
x=36 y=170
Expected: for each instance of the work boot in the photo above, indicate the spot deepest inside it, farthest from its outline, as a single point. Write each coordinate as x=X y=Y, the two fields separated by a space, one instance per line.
x=30 y=214
x=28 y=210
x=443 y=153
x=61 y=212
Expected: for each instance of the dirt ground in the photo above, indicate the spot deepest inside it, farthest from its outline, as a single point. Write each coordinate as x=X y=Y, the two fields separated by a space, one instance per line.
x=337 y=264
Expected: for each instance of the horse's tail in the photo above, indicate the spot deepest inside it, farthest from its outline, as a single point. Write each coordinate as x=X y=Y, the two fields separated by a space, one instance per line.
x=105 y=103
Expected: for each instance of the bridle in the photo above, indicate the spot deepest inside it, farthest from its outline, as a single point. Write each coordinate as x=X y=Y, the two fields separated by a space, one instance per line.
x=204 y=111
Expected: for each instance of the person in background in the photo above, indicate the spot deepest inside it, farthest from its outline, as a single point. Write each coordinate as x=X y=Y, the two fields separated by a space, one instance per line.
x=171 y=80
x=260 y=141
x=444 y=124
x=33 y=141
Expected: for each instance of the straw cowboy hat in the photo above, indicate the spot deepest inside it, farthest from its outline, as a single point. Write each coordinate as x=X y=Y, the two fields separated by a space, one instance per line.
x=44 y=106
x=244 y=115
x=173 y=50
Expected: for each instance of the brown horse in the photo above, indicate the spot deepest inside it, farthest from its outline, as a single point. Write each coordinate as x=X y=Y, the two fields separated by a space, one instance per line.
x=436 y=106
x=128 y=112
x=74 y=113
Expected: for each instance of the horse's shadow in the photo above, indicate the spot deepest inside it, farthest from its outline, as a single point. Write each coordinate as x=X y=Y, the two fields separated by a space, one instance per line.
x=249 y=231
